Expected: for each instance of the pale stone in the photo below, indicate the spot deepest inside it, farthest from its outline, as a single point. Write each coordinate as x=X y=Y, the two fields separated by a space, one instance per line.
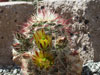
x=88 y=13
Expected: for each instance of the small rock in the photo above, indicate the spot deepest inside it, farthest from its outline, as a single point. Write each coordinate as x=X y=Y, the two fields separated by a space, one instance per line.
x=4 y=71
x=1 y=70
x=15 y=71
x=18 y=70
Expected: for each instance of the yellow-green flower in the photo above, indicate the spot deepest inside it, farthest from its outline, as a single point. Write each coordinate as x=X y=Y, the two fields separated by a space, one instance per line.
x=43 y=59
x=42 y=40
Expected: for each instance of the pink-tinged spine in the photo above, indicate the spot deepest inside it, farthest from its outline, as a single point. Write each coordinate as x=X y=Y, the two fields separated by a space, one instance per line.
x=22 y=31
x=58 y=17
x=74 y=53
x=16 y=44
x=44 y=12
x=31 y=20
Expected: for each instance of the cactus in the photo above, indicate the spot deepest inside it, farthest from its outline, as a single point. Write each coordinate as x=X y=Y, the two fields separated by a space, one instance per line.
x=41 y=54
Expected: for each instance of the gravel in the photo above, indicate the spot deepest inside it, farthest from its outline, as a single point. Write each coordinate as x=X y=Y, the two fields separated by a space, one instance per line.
x=10 y=70
x=90 y=68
